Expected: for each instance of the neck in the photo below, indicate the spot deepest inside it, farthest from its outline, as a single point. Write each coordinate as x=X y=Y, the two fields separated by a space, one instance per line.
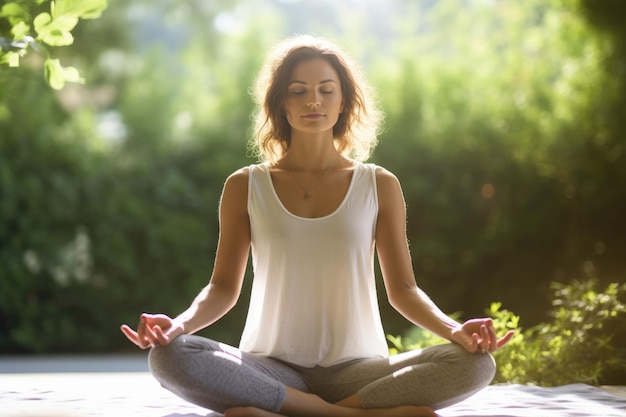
x=308 y=153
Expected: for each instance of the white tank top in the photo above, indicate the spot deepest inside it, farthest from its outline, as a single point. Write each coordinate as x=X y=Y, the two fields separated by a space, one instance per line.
x=314 y=296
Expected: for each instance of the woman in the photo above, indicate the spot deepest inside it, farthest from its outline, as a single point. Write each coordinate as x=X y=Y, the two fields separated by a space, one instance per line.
x=312 y=215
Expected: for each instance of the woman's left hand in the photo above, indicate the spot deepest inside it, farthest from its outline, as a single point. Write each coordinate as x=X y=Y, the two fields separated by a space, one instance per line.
x=479 y=335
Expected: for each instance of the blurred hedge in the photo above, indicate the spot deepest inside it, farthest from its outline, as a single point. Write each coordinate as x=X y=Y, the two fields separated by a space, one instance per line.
x=504 y=124
x=511 y=153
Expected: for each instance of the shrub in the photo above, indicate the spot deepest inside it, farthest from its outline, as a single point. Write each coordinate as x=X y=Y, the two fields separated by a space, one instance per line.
x=578 y=345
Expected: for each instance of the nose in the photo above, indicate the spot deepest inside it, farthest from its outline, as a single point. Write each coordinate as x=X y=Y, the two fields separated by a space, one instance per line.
x=314 y=101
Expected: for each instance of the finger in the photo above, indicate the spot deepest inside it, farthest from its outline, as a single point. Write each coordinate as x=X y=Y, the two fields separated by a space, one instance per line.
x=475 y=343
x=151 y=321
x=142 y=333
x=493 y=338
x=161 y=336
x=484 y=341
x=132 y=336
x=129 y=333
x=151 y=336
x=506 y=338
x=148 y=318
x=157 y=336
x=141 y=326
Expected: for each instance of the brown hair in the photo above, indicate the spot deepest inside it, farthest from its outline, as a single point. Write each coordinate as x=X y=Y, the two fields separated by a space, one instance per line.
x=356 y=131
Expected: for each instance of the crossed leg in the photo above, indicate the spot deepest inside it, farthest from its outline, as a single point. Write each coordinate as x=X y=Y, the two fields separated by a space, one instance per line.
x=299 y=404
x=224 y=379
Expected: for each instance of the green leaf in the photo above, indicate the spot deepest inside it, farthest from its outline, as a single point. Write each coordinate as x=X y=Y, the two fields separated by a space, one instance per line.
x=55 y=32
x=54 y=73
x=72 y=75
x=12 y=10
x=57 y=75
x=14 y=13
x=64 y=23
x=20 y=31
x=13 y=59
x=41 y=21
x=84 y=9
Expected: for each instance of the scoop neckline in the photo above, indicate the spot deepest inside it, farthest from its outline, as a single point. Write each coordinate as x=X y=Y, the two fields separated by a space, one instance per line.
x=331 y=214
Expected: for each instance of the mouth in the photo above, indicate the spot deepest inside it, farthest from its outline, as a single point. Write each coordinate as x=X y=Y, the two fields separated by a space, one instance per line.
x=312 y=116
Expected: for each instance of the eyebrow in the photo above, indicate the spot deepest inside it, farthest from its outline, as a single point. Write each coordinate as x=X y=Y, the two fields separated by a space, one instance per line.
x=329 y=80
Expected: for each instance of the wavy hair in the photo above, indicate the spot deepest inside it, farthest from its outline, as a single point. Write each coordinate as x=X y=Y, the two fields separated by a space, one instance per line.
x=356 y=131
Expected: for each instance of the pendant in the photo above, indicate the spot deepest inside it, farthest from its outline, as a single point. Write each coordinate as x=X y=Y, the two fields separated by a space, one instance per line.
x=306 y=194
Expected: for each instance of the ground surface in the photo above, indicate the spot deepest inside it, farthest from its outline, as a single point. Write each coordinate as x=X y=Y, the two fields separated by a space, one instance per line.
x=121 y=386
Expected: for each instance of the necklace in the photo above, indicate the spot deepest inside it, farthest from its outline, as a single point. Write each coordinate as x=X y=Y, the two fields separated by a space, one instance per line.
x=306 y=188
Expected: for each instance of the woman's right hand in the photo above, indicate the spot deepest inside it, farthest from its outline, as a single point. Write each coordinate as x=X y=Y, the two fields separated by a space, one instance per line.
x=153 y=330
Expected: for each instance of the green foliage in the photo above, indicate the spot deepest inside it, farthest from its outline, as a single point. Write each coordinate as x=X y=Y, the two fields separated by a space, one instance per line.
x=504 y=125
x=52 y=28
x=507 y=147
x=99 y=226
x=576 y=345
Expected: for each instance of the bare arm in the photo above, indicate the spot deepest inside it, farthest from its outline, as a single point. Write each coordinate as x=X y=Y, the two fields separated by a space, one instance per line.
x=395 y=261
x=403 y=293
x=223 y=290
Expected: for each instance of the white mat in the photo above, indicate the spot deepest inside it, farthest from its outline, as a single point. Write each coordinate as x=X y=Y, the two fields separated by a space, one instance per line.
x=139 y=395
x=577 y=400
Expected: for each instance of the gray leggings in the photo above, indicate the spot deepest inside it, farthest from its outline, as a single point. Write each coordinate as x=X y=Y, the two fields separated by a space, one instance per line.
x=217 y=376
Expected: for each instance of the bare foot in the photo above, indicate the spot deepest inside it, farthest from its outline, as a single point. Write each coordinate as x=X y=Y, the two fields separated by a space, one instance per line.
x=249 y=412
x=404 y=411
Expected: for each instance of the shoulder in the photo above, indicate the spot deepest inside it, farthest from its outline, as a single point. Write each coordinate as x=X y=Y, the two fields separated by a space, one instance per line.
x=235 y=190
x=390 y=196
x=238 y=177
x=383 y=174
x=241 y=177
x=386 y=181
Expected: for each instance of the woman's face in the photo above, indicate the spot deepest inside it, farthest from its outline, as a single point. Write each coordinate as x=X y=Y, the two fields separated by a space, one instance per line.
x=314 y=100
